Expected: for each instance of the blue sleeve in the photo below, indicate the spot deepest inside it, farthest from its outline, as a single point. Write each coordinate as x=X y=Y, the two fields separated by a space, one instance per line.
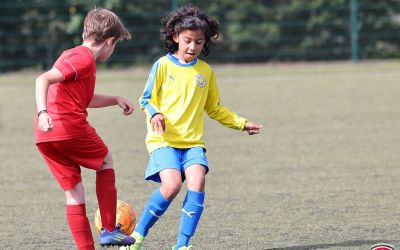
x=148 y=101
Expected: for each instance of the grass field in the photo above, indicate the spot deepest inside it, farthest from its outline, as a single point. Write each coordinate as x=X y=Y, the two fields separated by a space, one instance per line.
x=323 y=174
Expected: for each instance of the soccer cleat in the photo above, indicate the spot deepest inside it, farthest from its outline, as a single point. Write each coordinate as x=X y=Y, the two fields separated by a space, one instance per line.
x=115 y=238
x=181 y=248
x=138 y=242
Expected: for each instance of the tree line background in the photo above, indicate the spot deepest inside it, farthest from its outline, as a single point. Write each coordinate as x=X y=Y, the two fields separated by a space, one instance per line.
x=34 y=32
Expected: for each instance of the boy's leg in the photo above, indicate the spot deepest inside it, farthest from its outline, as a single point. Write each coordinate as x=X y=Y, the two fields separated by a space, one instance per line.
x=192 y=206
x=107 y=193
x=77 y=219
x=68 y=176
x=107 y=197
x=79 y=226
x=157 y=205
x=160 y=199
x=155 y=208
x=192 y=209
x=89 y=151
x=64 y=159
x=164 y=167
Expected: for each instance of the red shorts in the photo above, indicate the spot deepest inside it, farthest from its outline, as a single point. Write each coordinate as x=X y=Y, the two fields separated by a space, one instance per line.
x=65 y=158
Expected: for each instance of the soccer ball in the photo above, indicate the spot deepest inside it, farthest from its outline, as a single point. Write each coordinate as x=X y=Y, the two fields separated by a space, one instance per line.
x=125 y=216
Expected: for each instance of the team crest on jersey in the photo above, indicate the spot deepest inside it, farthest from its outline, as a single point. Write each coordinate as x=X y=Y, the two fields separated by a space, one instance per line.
x=200 y=80
x=171 y=77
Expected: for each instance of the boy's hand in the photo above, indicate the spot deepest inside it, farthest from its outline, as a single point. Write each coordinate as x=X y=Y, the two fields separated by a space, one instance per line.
x=125 y=104
x=45 y=122
x=252 y=128
x=158 y=123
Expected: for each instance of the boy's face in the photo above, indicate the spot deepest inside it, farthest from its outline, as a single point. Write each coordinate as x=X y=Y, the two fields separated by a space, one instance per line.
x=190 y=44
x=107 y=50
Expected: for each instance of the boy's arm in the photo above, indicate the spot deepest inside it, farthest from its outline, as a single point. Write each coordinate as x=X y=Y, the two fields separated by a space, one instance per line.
x=148 y=100
x=43 y=82
x=219 y=112
x=42 y=85
x=100 y=101
x=225 y=116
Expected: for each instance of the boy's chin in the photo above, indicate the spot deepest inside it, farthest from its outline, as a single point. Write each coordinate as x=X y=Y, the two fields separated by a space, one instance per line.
x=189 y=58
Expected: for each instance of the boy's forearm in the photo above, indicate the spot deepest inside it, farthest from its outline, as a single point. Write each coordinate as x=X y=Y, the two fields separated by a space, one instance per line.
x=226 y=117
x=42 y=86
x=100 y=101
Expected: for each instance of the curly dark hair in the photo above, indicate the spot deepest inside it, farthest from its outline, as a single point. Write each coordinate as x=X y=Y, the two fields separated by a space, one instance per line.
x=188 y=18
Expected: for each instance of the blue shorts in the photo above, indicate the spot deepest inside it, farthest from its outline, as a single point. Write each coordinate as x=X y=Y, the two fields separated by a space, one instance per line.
x=176 y=158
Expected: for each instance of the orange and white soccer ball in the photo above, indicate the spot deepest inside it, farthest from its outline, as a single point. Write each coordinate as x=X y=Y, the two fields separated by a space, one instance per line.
x=125 y=216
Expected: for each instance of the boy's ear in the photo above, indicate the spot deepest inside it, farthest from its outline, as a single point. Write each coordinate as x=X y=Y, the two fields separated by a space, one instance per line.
x=110 y=41
x=175 y=37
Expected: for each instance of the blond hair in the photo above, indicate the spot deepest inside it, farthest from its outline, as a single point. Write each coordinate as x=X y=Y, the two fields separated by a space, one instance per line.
x=101 y=24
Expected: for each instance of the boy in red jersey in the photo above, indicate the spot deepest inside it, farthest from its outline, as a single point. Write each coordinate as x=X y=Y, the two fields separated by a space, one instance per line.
x=65 y=138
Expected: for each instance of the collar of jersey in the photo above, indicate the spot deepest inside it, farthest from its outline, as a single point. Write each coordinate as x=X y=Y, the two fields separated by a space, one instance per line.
x=175 y=60
x=90 y=51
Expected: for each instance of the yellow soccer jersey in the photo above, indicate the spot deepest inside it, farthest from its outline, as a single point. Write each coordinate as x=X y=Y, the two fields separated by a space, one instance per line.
x=182 y=92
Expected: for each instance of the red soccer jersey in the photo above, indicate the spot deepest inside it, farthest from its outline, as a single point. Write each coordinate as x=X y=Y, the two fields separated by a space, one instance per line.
x=68 y=100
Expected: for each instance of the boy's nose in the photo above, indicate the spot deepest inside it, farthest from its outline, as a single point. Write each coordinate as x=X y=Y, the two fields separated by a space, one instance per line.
x=192 y=46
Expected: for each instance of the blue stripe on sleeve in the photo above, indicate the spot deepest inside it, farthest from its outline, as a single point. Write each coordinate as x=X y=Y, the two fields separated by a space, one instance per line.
x=144 y=100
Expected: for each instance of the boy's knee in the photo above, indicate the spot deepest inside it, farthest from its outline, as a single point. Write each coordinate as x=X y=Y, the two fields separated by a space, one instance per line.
x=170 y=190
x=107 y=162
x=196 y=177
x=197 y=185
x=75 y=195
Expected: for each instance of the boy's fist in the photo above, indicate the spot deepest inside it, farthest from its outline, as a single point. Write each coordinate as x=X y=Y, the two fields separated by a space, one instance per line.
x=252 y=128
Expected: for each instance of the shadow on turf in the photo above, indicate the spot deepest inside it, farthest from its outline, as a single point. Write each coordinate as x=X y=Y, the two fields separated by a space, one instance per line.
x=351 y=243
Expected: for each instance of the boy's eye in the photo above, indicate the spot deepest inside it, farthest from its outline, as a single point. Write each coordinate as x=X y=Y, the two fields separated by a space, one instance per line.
x=198 y=42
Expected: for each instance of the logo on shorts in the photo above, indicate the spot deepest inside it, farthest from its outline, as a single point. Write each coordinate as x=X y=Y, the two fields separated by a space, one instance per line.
x=200 y=80
x=382 y=246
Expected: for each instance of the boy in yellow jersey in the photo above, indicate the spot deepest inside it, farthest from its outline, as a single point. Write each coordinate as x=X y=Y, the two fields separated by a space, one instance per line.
x=179 y=89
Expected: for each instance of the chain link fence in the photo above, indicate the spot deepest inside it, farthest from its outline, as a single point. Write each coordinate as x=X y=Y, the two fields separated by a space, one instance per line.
x=33 y=33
